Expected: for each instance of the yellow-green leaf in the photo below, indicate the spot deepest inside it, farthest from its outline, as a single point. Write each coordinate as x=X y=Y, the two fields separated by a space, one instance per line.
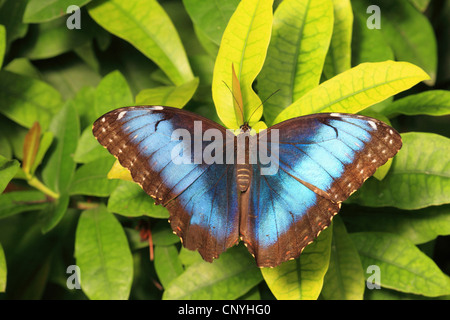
x=2 y=270
x=146 y=25
x=2 y=43
x=119 y=172
x=356 y=89
x=302 y=278
x=244 y=45
x=169 y=96
x=300 y=40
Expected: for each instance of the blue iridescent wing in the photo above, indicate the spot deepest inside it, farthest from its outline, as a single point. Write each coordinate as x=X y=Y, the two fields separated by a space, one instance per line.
x=201 y=198
x=323 y=159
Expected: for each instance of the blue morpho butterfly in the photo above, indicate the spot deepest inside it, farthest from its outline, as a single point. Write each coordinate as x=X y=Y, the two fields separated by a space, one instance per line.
x=321 y=160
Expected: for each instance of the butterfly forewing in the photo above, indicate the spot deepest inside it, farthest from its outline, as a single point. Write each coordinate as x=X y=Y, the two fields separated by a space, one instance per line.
x=200 y=197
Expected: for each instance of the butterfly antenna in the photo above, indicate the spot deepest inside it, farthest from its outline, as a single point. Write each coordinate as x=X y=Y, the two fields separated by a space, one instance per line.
x=237 y=102
x=263 y=103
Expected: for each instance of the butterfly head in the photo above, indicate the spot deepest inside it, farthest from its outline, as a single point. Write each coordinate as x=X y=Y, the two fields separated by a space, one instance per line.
x=245 y=127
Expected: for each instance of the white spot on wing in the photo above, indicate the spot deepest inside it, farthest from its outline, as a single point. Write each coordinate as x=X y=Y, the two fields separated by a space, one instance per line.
x=121 y=115
x=372 y=124
x=156 y=108
x=335 y=114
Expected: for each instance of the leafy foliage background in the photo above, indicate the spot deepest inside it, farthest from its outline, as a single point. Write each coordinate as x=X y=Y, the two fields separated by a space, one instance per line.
x=59 y=208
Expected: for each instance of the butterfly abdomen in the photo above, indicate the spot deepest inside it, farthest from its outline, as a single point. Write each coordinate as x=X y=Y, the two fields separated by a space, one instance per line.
x=244 y=176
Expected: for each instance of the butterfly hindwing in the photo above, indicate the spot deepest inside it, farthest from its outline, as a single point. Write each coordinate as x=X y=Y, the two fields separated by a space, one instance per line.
x=200 y=197
x=323 y=159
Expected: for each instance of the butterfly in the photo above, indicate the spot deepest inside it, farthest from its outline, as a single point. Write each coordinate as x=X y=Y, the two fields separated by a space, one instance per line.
x=320 y=160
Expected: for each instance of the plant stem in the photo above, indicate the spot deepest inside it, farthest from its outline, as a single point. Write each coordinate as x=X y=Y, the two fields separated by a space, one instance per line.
x=33 y=181
x=86 y=205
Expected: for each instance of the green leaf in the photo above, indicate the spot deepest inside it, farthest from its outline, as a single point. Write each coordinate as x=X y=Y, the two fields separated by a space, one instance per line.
x=210 y=47
x=87 y=53
x=419 y=176
x=339 y=55
x=356 y=89
x=88 y=148
x=2 y=270
x=2 y=43
x=26 y=100
x=432 y=102
x=103 y=255
x=38 y=11
x=228 y=277
x=408 y=32
x=112 y=92
x=130 y=200
x=189 y=257
x=163 y=235
x=51 y=39
x=244 y=44
x=90 y=179
x=170 y=96
x=15 y=135
x=211 y=17
x=418 y=226
x=83 y=101
x=8 y=169
x=368 y=45
x=344 y=279
x=167 y=264
x=146 y=25
x=24 y=67
x=421 y=5
x=21 y=201
x=11 y=13
x=70 y=76
x=300 y=39
x=402 y=265
x=54 y=214
x=302 y=278
x=60 y=166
